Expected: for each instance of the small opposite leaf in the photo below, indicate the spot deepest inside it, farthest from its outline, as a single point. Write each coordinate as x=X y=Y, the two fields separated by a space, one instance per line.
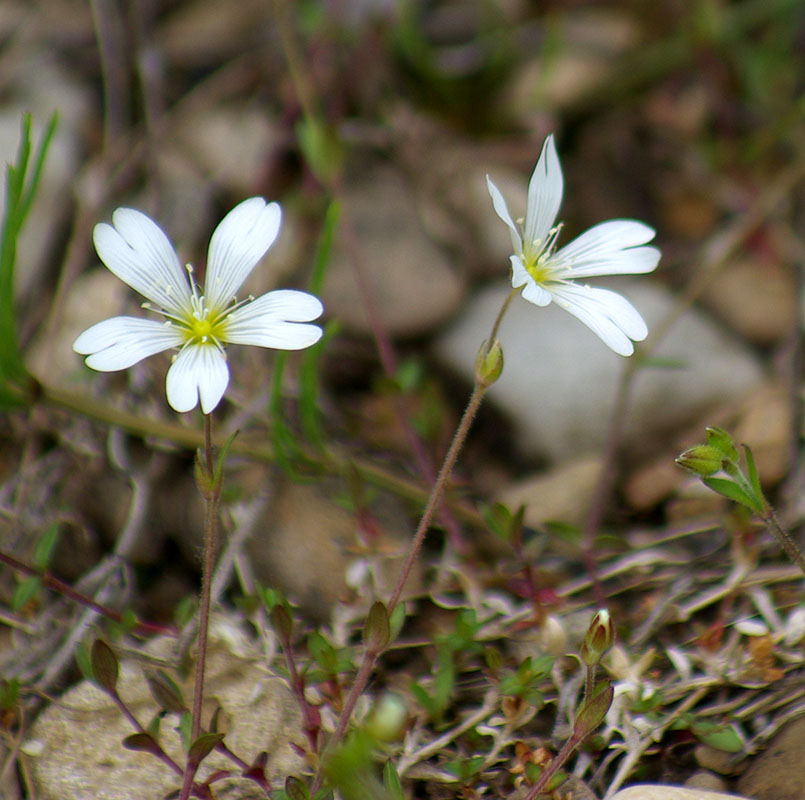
x=104 y=666
x=203 y=746
x=376 y=632
x=592 y=713
x=165 y=691
x=295 y=789
x=143 y=742
x=282 y=621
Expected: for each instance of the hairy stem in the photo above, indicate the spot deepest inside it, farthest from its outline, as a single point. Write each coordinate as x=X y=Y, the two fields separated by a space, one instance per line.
x=212 y=494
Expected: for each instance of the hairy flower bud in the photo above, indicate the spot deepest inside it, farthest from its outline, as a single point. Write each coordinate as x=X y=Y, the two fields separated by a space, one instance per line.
x=704 y=459
x=600 y=637
x=488 y=364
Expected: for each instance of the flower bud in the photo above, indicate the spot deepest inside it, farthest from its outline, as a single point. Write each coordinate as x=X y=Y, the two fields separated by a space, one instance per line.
x=704 y=459
x=600 y=637
x=722 y=441
x=488 y=364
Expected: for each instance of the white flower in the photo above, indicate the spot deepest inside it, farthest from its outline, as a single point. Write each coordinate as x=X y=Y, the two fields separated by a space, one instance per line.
x=197 y=323
x=545 y=274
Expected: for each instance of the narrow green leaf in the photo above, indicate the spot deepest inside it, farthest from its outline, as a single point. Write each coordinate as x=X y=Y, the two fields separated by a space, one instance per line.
x=729 y=489
x=754 y=479
x=391 y=780
x=219 y=464
x=24 y=592
x=45 y=546
x=185 y=729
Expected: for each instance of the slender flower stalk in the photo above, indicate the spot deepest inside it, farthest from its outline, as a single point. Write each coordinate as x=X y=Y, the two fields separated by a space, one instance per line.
x=545 y=274
x=197 y=322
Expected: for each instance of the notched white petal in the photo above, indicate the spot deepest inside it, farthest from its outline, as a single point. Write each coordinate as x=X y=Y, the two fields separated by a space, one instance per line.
x=609 y=315
x=241 y=239
x=275 y=320
x=138 y=252
x=610 y=248
x=121 y=342
x=199 y=372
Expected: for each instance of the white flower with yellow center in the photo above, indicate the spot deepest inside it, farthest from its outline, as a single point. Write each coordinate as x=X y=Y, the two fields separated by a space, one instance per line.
x=196 y=323
x=546 y=274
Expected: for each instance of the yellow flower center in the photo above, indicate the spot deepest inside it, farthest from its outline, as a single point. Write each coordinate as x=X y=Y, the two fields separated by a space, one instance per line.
x=201 y=328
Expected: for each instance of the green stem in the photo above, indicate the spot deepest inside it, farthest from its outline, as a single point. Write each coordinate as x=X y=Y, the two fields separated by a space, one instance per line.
x=212 y=494
x=783 y=538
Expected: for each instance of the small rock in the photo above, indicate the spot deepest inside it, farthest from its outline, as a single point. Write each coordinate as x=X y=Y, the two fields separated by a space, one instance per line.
x=562 y=494
x=708 y=781
x=411 y=284
x=78 y=740
x=755 y=297
x=658 y=792
x=312 y=549
x=714 y=759
x=559 y=381
x=206 y=136
x=591 y=40
x=765 y=424
x=776 y=773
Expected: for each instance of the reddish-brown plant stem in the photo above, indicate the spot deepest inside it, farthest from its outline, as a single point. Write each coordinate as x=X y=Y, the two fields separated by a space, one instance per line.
x=211 y=490
x=68 y=591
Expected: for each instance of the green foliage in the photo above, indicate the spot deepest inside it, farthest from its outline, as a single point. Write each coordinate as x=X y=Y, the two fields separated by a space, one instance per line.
x=9 y=694
x=351 y=770
x=22 y=182
x=105 y=667
x=391 y=782
x=526 y=681
x=331 y=661
x=376 y=631
x=165 y=691
x=28 y=587
x=721 y=455
x=437 y=700
x=466 y=770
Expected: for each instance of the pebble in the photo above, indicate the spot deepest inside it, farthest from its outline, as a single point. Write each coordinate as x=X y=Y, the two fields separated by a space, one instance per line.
x=412 y=286
x=563 y=493
x=559 y=381
x=77 y=741
x=776 y=773
x=659 y=792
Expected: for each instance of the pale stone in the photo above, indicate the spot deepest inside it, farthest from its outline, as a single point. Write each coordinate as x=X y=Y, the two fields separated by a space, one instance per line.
x=561 y=494
x=776 y=772
x=79 y=736
x=411 y=285
x=559 y=381
x=658 y=792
